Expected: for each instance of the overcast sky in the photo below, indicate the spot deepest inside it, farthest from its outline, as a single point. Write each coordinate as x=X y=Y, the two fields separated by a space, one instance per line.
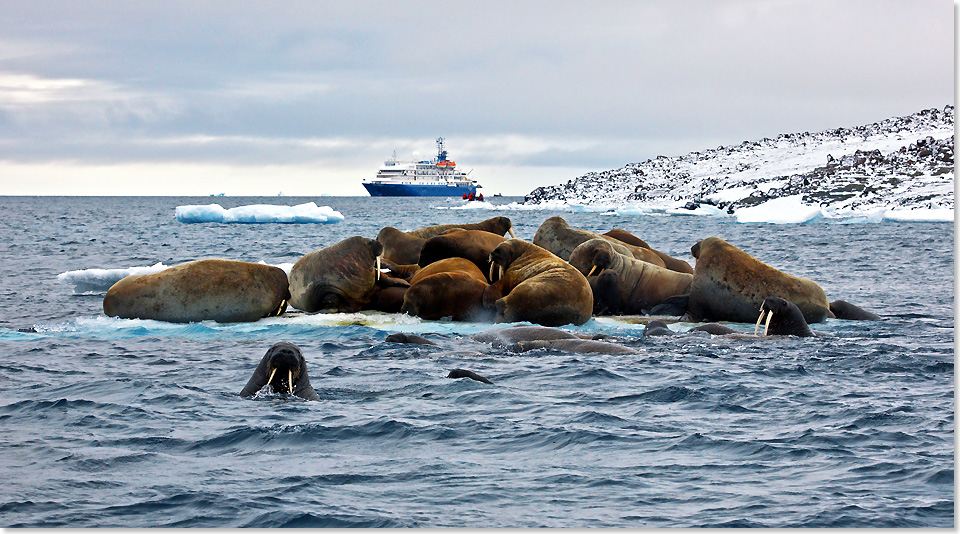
x=164 y=98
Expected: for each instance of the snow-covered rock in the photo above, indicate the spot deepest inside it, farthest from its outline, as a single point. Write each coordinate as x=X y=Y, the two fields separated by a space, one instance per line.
x=901 y=164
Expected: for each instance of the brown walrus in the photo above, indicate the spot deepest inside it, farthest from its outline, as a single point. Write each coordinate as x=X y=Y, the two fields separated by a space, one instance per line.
x=449 y=265
x=404 y=247
x=674 y=264
x=557 y=236
x=456 y=294
x=474 y=245
x=342 y=277
x=730 y=285
x=225 y=291
x=625 y=284
x=537 y=286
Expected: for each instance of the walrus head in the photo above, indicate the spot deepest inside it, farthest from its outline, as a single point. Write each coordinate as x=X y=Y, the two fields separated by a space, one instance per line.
x=592 y=256
x=284 y=367
x=785 y=317
x=503 y=256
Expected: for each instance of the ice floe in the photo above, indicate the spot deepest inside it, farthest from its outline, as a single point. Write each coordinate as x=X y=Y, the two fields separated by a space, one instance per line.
x=259 y=213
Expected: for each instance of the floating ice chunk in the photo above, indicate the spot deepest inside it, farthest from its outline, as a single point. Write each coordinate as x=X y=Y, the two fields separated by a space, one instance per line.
x=784 y=210
x=91 y=281
x=259 y=213
x=920 y=215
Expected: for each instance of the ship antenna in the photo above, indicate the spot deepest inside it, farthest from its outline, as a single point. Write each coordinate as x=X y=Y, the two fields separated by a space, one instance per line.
x=441 y=153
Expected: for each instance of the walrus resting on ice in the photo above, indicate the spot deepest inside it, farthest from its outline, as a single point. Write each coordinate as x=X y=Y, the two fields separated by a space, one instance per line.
x=404 y=247
x=225 y=291
x=284 y=369
x=730 y=285
x=557 y=236
x=536 y=286
x=625 y=284
x=342 y=277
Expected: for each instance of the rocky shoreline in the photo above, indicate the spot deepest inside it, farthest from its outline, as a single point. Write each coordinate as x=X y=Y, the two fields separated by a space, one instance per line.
x=903 y=163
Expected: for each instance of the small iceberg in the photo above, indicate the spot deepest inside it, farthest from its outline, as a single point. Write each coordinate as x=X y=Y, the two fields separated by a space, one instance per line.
x=308 y=213
x=93 y=281
x=784 y=210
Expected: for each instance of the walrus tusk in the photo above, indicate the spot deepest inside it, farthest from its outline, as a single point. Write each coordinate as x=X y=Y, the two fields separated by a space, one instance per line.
x=378 y=267
x=591 y=270
x=757 y=328
x=290 y=380
x=492 y=265
x=766 y=325
x=500 y=275
x=513 y=235
x=271 y=376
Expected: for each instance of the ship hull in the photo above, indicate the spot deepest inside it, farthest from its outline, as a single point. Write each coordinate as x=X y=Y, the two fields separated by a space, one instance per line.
x=408 y=190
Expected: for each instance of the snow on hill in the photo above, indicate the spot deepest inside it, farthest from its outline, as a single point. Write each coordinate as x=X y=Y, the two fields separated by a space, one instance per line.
x=897 y=165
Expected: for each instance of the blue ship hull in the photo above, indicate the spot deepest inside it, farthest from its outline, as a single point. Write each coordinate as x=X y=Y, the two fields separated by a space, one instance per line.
x=406 y=190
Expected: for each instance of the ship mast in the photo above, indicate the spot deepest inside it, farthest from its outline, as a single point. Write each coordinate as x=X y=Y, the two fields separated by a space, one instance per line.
x=441 y=153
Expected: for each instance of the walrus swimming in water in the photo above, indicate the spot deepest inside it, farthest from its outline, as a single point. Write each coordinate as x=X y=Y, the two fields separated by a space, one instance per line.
x=284 y=369
x=225 y=291
x=842 y=309
x=783 y=318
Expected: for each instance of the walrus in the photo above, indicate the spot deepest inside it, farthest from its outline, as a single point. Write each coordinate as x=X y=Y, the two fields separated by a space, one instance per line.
x=458 y=295
x=842 y=309
x=676 y=305
x=495 y=225
x=449 y=265
x=387 y=299
x=625 y=284
x=400 y=337
x=674 y=264
x=218 y=290
x=571 y=345
x=713 y=329
x=465 y=373
x=730 y=285
x=657 y=328
x=342 y=277
x=404 y=247
x=783 y=318
x=536 y=286
x=284 y=369
x=501 y=337
x=557 y=236
x=474 y=245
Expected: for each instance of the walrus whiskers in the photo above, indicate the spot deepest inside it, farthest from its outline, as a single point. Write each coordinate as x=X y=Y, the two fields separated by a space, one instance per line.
x=766 y=326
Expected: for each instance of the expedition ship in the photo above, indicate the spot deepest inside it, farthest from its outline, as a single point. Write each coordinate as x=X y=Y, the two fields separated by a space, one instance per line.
x=437 y=178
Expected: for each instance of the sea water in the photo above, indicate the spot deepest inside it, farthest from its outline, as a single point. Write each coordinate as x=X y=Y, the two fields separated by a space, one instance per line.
x=133 y=423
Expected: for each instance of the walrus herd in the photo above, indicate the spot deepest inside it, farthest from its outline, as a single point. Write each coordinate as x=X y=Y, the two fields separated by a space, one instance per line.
x=472 y=272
